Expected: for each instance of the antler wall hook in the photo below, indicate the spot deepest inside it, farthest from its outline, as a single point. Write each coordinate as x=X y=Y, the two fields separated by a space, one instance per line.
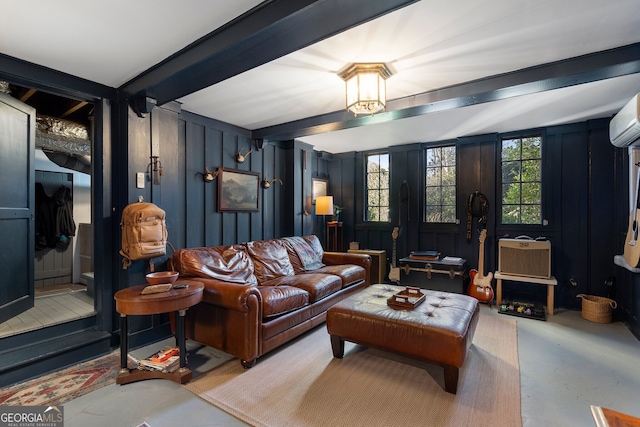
x=208 y=176
x=240 y=158
x=266 y=183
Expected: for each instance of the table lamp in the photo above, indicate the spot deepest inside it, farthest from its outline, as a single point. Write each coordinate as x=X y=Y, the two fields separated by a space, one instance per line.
x=324 y=207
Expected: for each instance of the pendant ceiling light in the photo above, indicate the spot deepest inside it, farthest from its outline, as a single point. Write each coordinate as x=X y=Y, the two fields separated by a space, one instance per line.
x=366 y=87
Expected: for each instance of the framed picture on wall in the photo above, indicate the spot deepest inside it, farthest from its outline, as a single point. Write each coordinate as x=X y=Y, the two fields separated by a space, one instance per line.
x=319 y=188
x=238 y=191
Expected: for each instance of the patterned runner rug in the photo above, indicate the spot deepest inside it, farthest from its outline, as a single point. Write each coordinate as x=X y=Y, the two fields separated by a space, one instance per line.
x=60 y=387
x=301 y=384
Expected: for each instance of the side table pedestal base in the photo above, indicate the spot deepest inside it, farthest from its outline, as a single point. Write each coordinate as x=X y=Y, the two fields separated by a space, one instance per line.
x=126 y=376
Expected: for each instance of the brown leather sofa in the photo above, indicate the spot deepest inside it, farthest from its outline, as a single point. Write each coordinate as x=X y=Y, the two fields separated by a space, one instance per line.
x=261 y=294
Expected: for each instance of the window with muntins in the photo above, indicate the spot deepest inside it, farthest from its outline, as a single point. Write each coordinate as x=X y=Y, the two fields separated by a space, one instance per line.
x=440 y=184
x=521 y=166
x=377 y=191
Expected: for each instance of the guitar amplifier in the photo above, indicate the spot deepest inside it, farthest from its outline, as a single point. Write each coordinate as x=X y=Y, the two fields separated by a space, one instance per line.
x=524 y=257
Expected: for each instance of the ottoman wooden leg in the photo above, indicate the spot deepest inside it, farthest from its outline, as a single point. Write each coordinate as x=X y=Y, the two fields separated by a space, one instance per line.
x=337 y=345
x=451 y=379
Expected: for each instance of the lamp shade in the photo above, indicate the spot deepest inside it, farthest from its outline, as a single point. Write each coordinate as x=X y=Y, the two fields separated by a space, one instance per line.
x=324 y=205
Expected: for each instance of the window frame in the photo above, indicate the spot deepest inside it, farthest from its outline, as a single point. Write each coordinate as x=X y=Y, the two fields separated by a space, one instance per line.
x=499 y=181
x=365 y=212
x=455 y=220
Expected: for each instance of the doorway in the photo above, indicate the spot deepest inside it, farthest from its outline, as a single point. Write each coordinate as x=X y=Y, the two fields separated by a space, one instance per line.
x=61 y=276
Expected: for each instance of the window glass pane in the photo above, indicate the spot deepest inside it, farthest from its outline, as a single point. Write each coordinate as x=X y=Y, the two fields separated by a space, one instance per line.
x=433 y=196
x=531 y=170
x=511 y=193
x=433 y=176
x=510 y=149
x=531 y=214
x=449 y=156
x=448 y=214
x=433 y=213
x=373 y=198
x=531 y=193
x=449 y=175
x=510 y=214
x=532 y=148
x=384 y=215
x=449 y=196
x=510 y=172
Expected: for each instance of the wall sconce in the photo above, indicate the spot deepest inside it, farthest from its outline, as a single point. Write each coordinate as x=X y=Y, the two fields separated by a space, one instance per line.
x=208 y=176
x=240 y=158
x=155 y=166
x=266 y=183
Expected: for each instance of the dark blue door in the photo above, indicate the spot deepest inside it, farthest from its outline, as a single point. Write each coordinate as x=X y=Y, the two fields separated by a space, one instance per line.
x=17 y=152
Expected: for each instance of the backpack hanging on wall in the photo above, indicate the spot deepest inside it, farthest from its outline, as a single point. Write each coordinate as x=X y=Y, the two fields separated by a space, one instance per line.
x=144 y=233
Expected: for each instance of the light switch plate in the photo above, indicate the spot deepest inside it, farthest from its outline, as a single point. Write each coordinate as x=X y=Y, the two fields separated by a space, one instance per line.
x=140 y=180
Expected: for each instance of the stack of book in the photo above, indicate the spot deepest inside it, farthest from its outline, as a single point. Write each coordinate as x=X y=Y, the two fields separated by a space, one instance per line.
x=167 y=360
x=425 y=255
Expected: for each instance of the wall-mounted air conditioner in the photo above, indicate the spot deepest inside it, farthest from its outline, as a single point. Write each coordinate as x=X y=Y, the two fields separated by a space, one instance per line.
x=624 y=129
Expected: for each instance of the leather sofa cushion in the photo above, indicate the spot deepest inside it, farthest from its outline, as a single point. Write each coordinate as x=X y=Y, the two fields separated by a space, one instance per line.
x=226 y=263
x=277 y=300
x=270 y=259
x=348 y=273
x=317 y=286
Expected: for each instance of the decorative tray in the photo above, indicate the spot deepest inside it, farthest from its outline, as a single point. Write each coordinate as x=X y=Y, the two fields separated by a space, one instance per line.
x=154 y=289
x=407 y=299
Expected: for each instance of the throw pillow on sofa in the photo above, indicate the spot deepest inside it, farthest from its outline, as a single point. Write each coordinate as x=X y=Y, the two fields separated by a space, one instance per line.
x=315 y=244
x=226 y=263
x=270 y=259
x=301 y=250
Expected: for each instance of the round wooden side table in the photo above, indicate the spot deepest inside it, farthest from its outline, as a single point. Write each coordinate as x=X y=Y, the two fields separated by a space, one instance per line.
x=130 y=301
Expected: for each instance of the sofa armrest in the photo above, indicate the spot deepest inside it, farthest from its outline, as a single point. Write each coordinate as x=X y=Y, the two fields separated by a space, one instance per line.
x=231 y=296
x=341 y=258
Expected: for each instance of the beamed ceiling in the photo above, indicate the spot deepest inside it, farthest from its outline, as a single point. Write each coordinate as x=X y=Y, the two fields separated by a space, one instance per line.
x=459 y=68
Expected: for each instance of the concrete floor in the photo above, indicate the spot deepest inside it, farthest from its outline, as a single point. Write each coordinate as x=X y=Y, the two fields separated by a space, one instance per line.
x=566 y=364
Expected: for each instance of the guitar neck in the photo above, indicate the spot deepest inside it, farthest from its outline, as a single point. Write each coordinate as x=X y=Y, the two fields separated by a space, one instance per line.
x=393 y=258
x=481 y=260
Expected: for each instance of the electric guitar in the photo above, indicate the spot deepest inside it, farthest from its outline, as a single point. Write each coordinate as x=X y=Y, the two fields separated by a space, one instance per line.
x=631 y=245
x=394 y=272
x=480 y=284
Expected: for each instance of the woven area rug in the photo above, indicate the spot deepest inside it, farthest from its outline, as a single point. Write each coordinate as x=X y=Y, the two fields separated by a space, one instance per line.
x=60 y=387
x=302 y=384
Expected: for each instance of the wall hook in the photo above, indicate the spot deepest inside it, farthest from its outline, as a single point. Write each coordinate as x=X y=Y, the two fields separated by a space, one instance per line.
x=208 y=176
x=240 y=158
x=266 y=183
x=155 y=166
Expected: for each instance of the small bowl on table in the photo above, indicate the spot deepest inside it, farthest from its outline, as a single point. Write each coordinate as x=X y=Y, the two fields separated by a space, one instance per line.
x=162 y=277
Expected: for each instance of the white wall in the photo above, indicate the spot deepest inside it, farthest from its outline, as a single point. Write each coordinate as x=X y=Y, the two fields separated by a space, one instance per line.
x=81 y=202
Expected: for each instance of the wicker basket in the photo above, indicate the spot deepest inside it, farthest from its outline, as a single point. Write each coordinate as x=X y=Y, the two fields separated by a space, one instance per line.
x=597 y=309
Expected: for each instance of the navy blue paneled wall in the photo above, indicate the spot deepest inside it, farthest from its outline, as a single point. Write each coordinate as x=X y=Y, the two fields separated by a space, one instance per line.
x=581 y=184
x=186 y=144
x=582 y=175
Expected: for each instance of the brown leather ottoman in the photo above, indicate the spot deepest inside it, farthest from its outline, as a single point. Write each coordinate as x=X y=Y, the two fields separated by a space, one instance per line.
x=439 y=330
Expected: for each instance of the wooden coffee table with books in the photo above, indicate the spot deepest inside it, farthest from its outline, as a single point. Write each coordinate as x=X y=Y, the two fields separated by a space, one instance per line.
x=131 y=301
